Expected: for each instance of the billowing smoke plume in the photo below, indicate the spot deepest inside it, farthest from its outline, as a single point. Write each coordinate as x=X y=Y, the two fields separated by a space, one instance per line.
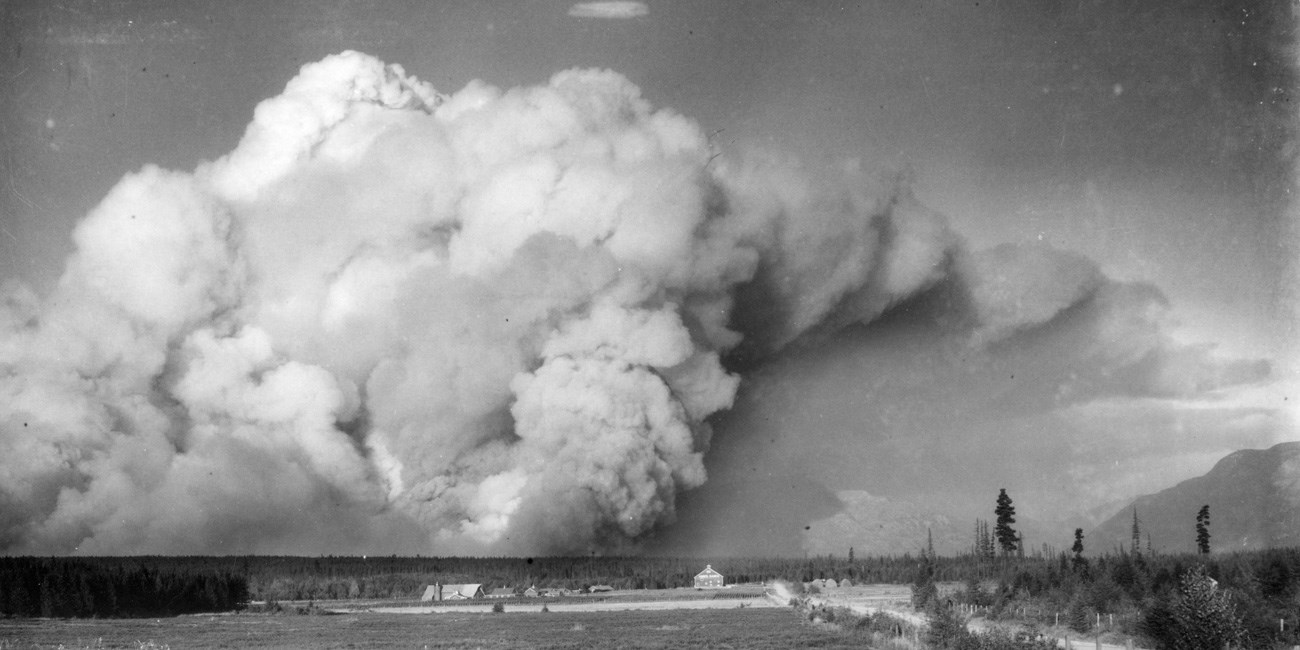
x=397 y=320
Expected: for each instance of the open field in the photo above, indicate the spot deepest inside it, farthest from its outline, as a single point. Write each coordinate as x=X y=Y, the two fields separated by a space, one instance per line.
x=741 y=596
x=697 y=628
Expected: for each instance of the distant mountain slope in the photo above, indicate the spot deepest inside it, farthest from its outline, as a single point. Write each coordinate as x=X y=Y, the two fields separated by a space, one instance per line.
x=1254 y=499
x=876 y=525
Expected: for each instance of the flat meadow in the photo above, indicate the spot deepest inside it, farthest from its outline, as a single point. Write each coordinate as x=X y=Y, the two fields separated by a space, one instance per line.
x=698 y=628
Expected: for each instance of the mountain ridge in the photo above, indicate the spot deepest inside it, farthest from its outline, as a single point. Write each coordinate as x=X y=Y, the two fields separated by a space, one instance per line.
x=1254 y=499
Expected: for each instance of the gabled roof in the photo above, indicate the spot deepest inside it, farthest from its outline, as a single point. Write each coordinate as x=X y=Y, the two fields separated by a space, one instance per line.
x=708 y=572
x=468 y=590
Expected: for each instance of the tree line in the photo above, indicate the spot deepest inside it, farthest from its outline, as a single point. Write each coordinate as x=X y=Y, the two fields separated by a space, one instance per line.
x=67 y=587
x=392 y=577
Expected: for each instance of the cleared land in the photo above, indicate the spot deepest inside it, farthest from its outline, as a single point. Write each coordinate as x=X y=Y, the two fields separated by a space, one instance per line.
x=697 y=628
x=733 y=598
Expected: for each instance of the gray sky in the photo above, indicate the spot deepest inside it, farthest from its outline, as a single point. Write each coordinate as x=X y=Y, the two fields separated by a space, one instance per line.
x=1148 y=137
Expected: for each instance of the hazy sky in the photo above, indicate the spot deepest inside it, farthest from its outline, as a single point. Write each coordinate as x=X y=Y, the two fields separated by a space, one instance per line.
x=1150 y=138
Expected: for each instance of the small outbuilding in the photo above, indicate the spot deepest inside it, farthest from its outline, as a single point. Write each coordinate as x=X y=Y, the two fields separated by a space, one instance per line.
x=531 y=592
x=708 y=578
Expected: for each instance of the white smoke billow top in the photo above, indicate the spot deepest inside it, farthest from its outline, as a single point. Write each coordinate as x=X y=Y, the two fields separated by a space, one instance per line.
x=395 y=320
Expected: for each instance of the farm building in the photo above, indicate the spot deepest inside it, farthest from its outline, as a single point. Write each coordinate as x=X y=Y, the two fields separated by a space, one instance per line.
x=598 y=588
x=436 y=592
x=530 y=592
x=708 y=578
x=500 y=592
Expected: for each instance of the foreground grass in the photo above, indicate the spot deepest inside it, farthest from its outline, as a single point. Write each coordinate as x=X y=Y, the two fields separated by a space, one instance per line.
x=737 y=628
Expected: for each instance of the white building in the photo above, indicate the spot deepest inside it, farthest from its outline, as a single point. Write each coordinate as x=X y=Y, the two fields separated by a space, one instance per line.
x=708 y=578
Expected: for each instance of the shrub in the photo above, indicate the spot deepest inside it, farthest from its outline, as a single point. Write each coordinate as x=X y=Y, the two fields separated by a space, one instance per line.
x=947 y=629
x=998 y=639
x=498 y=607
x=1201 y=617
x=1079 y=616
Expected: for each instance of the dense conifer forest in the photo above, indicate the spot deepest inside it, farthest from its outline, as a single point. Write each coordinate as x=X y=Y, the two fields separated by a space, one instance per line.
x=114 y=587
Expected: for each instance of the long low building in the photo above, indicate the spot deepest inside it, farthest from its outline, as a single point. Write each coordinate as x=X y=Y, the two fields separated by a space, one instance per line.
x=437 y=593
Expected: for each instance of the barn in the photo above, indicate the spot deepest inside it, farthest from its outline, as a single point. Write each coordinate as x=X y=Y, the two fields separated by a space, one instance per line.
x=436 y=592
x=708 y=578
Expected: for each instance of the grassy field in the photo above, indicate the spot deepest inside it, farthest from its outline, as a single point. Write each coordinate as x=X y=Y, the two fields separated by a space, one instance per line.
x=734 y=628
x=751 y=591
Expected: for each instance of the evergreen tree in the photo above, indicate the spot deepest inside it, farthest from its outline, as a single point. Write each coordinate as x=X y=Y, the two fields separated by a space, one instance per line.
x=924 y=589
x=989 y=548
x=1006 y=535
x=1078 y=616
x=1079 y=564
x=1203 y=530
x=1136 y=547
x=1204 y=616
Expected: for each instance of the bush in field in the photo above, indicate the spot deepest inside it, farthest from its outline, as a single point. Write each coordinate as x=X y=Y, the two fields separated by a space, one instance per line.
x=1205 y=615
x=999 y=639
x=1200 y=617
x=1079 y=616
x=924 y=589
x=947 y=628
x=497 y=608
x=974 y=594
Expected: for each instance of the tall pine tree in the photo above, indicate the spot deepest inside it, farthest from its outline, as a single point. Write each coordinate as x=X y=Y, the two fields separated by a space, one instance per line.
x=1136 y=547
x=1006 y=535
x=1079 y=563
x=1203 y=530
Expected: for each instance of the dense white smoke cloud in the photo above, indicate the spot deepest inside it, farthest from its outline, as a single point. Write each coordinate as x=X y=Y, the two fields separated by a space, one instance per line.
x=397 y=320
